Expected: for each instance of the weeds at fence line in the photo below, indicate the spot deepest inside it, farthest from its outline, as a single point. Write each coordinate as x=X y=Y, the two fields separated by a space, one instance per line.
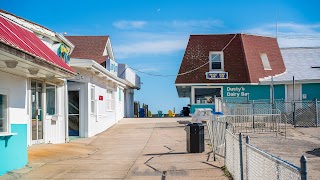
x=226 y=172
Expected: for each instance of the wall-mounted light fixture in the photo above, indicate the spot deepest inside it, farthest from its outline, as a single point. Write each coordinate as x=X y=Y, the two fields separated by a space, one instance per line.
x=33 y=71
x=11 y=63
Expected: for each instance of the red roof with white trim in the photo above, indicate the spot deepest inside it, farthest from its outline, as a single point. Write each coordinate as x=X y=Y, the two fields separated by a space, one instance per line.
x=27 y=41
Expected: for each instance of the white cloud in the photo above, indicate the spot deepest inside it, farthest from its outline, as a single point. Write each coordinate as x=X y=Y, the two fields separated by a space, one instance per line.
x=159 y=37
x=149 y=47
x=291 y=34
x=129 y=24
x=193 y=24
x=174 y=25
x=147 y=68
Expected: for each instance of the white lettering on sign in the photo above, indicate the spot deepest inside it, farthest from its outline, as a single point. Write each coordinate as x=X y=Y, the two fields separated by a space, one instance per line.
x=237 y=92
x=216 y=75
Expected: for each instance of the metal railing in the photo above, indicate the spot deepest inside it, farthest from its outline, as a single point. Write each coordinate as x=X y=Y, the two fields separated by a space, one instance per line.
x=245 y=161
x=258 y=164
x=216 y=129
x=259 y=120
x=262 y=165
x=298 y=113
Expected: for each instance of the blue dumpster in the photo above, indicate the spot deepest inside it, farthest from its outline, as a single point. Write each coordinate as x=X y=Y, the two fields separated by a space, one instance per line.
x=141 y=112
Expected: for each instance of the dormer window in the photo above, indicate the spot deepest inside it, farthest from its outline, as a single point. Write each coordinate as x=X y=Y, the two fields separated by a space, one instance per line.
x=265 y=61
x=216 y=61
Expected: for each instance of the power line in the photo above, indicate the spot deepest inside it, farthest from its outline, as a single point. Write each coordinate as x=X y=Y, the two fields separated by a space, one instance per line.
x=187 y=72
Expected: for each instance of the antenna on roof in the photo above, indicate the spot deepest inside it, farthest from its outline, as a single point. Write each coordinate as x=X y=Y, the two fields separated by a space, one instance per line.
x=277 y=25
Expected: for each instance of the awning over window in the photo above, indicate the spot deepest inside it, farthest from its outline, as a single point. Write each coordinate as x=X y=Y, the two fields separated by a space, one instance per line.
x=25 y=40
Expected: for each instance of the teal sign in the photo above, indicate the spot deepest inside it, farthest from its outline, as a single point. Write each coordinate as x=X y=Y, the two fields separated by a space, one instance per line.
x=216 y=75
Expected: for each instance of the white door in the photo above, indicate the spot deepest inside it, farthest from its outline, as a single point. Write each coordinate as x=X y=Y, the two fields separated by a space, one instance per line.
x=297 y=92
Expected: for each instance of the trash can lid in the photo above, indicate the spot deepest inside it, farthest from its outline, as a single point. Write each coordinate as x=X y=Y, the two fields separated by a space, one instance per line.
x=195 y=124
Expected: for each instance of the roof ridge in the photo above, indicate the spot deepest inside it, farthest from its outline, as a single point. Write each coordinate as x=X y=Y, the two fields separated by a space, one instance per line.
x=314 y=47
x=222 y=34
x=6 y=12
x=245 y=58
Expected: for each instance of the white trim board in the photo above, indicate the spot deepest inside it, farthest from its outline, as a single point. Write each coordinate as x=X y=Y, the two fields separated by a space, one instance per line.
x=216 y=84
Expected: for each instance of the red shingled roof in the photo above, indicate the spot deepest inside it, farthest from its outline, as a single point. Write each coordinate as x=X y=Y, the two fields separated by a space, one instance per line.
x=89 y=47
x=27 y=41
x=241 y=58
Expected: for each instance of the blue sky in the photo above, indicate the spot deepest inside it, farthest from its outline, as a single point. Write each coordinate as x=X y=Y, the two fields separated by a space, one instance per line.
x=152 y=35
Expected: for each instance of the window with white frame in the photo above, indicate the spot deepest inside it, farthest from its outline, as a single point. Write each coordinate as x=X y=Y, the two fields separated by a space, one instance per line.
x=51 y=98
x=109 y=99
x=4 y=124
x=93 y=104
x=216 y=61
x=265 y=61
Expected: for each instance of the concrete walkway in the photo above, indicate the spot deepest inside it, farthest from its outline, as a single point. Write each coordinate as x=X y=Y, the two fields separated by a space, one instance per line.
x=132 y=149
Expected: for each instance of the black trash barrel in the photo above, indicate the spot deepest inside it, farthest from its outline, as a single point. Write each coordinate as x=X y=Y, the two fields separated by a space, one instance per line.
x=195 y=138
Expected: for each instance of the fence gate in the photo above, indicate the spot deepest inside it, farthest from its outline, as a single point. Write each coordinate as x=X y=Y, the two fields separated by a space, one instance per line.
x=74 y=113
x=306 y=114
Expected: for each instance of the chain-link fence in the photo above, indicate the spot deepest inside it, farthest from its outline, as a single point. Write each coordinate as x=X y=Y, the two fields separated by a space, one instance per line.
x=258 y=164
x=261 y=165
x=245 y=161
x=232 y=157
x=297 y=113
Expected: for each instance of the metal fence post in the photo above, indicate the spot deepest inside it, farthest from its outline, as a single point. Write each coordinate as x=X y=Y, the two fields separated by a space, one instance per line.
x=247 y=160
x=304 y=168
x=225 y=142
x=253 y=114
x=294 y=114
x=317 y=113
x=241 y=157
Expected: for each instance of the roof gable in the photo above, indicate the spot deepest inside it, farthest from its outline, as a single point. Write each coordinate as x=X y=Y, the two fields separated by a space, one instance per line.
x=90 y=47
x=242 y=58
x=253 y=47
x=197 y=54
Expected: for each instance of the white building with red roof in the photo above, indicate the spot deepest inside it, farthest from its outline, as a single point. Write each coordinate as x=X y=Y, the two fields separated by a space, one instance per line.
x=33 y=88
x=103 y=92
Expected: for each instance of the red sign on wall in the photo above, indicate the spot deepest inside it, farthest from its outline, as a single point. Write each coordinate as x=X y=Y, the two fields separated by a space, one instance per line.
x=100 y=98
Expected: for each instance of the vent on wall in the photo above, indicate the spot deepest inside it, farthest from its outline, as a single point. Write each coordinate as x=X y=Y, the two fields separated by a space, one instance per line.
x=265 y=61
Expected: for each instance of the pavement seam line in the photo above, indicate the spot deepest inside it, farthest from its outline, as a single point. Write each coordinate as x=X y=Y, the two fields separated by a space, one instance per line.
x=140 y=151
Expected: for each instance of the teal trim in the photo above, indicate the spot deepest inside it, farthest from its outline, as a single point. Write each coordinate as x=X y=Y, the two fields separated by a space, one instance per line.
x=13 y=149
x=279 y=91
x=311 y=90
x=194 y=106
x=254 y=92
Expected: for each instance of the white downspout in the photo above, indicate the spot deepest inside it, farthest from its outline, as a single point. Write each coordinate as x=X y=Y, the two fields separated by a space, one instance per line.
x=66 y=113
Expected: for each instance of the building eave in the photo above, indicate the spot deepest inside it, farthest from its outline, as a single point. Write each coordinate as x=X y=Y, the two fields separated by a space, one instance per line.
x=89 y=63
